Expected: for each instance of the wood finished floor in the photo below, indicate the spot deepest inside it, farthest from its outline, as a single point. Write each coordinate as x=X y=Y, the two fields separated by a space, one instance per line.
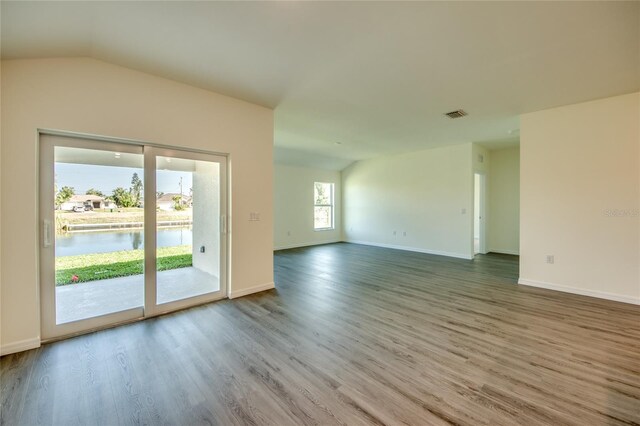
x=353 y=335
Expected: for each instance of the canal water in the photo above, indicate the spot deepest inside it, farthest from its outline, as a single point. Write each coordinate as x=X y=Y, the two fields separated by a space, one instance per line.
x=76 y=243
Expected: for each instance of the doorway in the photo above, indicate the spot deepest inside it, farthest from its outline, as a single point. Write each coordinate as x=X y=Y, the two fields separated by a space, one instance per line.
x=128 y=231
x=479 y=214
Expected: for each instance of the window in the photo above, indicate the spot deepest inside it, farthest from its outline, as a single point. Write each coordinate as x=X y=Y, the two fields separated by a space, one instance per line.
x=322 y=206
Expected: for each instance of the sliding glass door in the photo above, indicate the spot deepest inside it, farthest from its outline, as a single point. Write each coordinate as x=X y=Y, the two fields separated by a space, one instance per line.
x=127 y=231
x=186 y=222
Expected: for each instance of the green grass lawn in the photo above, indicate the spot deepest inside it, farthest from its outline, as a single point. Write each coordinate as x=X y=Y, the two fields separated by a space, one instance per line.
x=101 y=266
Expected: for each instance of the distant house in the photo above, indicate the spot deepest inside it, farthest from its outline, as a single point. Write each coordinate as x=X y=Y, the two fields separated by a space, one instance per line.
x=167 y=203
x=109 y=204
x=96 y=202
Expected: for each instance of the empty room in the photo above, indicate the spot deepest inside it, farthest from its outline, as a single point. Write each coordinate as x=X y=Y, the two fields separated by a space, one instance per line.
x=309 y=212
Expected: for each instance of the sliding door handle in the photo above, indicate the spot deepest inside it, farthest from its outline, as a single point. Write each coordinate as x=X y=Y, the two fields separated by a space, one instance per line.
x=47 y=237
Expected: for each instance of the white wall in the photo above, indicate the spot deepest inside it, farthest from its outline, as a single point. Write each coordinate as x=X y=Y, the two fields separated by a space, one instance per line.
x=580 y=198
x=88 y=96
x=503 y=230
x=422 y=193
x=206 y=217
x=293 y=206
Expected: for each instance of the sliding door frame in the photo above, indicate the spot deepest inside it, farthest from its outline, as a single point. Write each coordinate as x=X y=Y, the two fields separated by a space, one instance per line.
x=46 y=227
x=152 y=308
x=49 y=327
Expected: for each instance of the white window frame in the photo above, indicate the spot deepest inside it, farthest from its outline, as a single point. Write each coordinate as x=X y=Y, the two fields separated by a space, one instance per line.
x=332 y=205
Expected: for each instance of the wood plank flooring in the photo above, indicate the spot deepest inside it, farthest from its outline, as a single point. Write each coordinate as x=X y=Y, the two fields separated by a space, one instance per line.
x=352 y=335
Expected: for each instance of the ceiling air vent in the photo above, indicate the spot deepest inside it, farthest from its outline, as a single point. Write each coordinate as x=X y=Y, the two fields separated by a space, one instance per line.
x=456 y=114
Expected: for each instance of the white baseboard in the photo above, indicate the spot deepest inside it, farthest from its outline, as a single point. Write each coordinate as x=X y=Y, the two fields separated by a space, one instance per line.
x=513 y=252
x=19 y=346
x=414 y=249
x=251 y=290
x=298 y=245
x=580 y=291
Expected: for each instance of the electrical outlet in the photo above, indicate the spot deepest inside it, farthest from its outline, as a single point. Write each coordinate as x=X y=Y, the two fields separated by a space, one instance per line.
x=404 y=234
x=550 y=259
x=463 y=211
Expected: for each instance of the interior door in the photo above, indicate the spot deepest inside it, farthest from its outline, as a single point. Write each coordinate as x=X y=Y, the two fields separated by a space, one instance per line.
x=127 y=231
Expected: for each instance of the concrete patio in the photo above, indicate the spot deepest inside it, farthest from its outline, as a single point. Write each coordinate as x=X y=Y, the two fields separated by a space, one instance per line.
x=80 y=301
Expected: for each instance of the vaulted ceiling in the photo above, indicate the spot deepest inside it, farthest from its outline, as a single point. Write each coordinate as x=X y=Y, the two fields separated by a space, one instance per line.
x=354 y=80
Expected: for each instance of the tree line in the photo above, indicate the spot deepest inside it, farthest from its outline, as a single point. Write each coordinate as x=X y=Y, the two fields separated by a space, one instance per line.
x=122 y=197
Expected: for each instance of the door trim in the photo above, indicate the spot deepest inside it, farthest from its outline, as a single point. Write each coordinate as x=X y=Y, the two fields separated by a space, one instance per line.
x=125 y=141
x=482 y=223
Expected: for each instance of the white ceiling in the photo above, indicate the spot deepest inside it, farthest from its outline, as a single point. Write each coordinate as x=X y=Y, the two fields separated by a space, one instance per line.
x=374 y=76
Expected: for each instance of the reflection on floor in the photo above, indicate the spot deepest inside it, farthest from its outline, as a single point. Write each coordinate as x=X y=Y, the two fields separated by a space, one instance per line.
x=80 y=301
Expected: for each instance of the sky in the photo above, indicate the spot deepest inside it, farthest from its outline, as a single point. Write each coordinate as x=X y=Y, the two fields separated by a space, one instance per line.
x=105 y=178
